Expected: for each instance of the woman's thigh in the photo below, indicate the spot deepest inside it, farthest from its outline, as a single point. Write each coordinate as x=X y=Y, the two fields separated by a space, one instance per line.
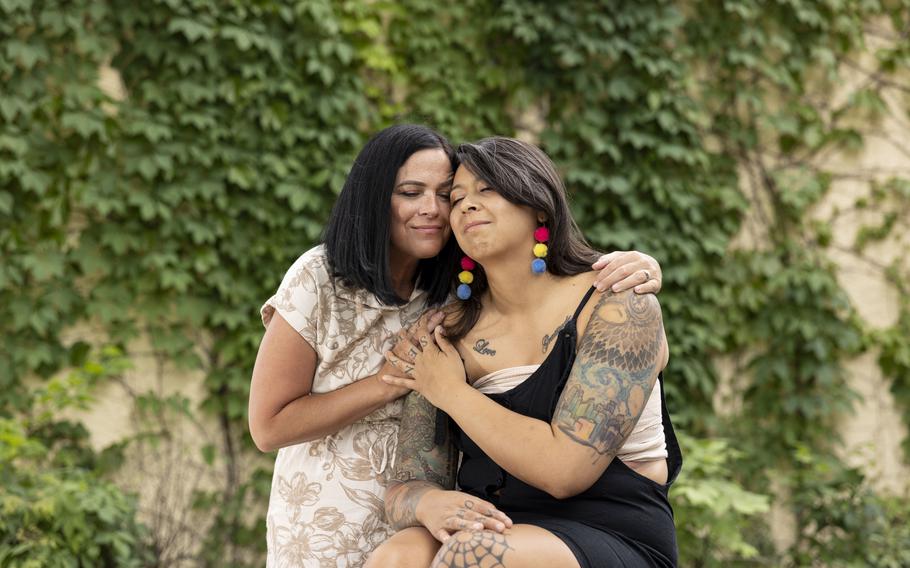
x=409 y=548
x=525 y=546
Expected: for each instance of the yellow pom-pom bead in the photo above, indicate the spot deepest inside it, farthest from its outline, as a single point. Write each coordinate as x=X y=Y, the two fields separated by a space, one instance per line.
x=465 y=277
x=540 y=250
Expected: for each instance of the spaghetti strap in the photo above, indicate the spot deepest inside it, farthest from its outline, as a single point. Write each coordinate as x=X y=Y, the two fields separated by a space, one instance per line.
x=583 y=302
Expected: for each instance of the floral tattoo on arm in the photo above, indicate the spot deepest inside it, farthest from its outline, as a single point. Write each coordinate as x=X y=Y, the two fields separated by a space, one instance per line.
x=422 y=465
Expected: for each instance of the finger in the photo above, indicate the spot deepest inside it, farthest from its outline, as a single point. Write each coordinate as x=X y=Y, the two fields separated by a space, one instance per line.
x=489 y=522
x=487 y=509
x=399 y=382
x=442 y=535
x=439 y=334
x=637 y=277
x=604 y=260
x=457 y=524
x=652 y=286
x=396 y=360
x=406 y=347
x=427 y=321
x=405 y=367
x=618 y=271
x=498 y=515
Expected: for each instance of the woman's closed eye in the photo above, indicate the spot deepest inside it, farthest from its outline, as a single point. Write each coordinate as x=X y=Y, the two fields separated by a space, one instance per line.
x=459 y=197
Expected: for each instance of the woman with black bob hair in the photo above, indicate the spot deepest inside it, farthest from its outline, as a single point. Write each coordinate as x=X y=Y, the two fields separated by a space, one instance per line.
x=316 y=394
x=567 y=448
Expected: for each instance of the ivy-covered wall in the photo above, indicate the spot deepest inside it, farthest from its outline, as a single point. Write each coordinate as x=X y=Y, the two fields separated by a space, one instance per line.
x=151 y=227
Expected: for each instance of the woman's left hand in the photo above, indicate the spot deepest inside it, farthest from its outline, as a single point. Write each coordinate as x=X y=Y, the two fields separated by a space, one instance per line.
x=621 y=270
x=437 y=372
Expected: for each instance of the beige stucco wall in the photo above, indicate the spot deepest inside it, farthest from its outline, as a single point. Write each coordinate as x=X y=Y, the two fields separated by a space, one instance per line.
x=872 y=435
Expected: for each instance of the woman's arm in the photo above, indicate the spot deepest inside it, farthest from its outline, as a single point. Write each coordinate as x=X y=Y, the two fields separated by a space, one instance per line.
x=283 y=411
x=424 y=475
x=421 y=466
x=618 y=360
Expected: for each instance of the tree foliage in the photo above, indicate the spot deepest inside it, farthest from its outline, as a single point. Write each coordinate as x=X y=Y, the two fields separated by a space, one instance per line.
x=169 y=212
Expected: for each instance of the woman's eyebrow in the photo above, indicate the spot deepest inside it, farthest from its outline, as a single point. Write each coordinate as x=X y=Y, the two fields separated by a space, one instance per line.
x=410 y=182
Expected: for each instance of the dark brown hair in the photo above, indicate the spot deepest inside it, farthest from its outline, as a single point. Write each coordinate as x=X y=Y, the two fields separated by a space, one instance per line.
x=357 y=238
x=524 y=175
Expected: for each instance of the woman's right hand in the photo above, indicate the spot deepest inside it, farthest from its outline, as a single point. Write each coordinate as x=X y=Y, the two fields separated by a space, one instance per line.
x=444 y=513
x=402 y=354
x=399 y=359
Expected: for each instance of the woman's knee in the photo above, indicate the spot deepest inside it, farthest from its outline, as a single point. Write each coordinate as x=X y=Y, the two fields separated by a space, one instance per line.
x=391 y=554
x=411 y=548
x=473 y=548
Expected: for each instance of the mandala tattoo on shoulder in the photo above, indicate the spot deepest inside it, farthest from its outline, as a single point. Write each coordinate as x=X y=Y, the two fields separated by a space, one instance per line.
x=470 y=549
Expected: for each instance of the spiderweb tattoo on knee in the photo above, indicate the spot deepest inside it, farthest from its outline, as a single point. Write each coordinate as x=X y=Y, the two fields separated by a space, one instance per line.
x=470 y=549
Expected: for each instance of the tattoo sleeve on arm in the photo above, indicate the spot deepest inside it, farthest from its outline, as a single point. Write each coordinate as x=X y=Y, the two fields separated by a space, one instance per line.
x=422 y=465
x=613 y=374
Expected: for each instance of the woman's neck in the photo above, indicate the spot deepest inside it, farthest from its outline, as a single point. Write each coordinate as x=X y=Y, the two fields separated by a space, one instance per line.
x=403 y=272
x=514 y=288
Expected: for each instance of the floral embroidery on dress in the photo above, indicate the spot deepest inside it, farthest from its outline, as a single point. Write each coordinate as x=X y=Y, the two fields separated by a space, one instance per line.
x=326 y=507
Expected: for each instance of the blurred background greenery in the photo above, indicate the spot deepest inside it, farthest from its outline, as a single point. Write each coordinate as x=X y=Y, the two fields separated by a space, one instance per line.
x=163 y=163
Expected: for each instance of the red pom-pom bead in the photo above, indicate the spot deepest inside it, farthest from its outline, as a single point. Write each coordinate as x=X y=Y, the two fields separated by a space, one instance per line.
x=542 y=234
x=467 y=263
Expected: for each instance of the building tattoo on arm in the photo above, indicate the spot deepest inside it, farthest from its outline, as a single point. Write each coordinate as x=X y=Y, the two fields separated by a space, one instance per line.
x=613 y=374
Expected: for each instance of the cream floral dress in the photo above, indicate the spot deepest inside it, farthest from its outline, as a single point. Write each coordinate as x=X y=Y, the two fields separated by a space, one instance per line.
x=326 y=504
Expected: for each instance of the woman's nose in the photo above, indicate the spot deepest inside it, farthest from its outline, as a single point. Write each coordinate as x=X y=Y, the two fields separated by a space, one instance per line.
x=429 y=205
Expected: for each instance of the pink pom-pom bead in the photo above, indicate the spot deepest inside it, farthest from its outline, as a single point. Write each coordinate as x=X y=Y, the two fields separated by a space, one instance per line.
x=542 y=234
x=467 y=263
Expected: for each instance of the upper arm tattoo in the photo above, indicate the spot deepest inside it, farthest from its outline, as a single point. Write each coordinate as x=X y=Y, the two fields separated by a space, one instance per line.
x=421 y=464
x=613 y=374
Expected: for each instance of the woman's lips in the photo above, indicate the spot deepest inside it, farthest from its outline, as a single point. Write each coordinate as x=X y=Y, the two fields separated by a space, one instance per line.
x=429 y=229
x=474 y=224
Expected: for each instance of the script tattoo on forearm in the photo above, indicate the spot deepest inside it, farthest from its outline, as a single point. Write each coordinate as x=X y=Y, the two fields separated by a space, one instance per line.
x=613 y=374
x=421 y=465
x=473 y=549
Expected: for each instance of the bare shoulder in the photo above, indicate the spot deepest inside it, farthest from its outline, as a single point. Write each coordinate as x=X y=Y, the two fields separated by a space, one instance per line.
x=627 y=317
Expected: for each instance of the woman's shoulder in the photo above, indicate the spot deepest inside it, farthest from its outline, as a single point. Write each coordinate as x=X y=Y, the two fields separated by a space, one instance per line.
x=314 y=264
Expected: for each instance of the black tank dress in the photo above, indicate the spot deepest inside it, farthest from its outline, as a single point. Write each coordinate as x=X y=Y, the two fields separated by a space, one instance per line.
x=624 y=519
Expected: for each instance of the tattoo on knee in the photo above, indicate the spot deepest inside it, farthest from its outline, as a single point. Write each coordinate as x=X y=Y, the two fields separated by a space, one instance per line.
x=473 y=549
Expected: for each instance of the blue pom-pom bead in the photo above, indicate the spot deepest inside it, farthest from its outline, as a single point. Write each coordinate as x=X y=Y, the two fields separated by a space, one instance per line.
x=538 y=266
x=463 y=292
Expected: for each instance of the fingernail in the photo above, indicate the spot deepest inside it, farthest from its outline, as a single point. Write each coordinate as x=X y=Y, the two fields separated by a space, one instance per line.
x=477 y=526
x=615 y=288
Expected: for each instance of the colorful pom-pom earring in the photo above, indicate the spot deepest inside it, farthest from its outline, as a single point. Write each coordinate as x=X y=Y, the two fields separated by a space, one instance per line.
x=541 y=235
x=465 y=277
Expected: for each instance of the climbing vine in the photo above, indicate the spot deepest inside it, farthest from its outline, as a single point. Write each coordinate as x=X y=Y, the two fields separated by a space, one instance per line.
x=162 y=212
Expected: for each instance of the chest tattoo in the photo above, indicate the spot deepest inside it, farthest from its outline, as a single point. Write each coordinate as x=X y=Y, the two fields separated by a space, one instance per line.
x=547 y=339
x=482 y=346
